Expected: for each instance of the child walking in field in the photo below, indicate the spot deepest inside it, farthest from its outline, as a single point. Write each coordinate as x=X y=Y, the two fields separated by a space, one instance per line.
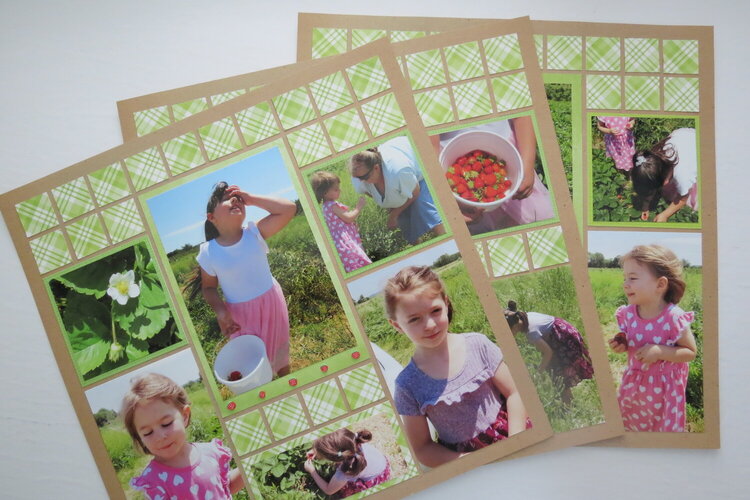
x=457 y=381
x=234 y=258
x=359 y=465
x=618 y=139
x=670 y=166
x=340 y=220
x=656 y=334
x=563 y=351
x=156 y=413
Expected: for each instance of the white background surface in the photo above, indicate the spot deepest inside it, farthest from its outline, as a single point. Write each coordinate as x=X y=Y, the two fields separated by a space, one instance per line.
x=64 y=64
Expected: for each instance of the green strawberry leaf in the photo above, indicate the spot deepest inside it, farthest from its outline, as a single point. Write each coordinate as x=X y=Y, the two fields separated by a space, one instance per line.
x=152 y=313
x=86 y=322
x=136 y=349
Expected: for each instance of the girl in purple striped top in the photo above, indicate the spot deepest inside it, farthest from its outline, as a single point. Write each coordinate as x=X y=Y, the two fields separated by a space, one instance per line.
x=457 y=381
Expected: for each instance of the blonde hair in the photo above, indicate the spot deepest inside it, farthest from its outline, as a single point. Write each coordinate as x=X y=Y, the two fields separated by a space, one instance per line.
x=367 y=158
x=147 y=387
x=414 y=279
x=344 y=447
x=322 y=181
x=661 y=261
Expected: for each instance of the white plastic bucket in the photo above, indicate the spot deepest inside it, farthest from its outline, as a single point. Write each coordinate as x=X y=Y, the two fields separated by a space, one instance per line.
x=495 y=145
x=247 y=355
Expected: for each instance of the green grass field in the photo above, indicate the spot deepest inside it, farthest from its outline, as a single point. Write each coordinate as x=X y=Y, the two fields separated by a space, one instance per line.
x=607 y=287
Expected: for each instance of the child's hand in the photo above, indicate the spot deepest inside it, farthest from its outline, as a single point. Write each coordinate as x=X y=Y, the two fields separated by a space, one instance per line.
x=616 y=131
x=392 y=220
x=227 y=325
x=649 y=353
x=617 y=346
x=236 y=191
x=661 y=217
x=310 y=455
x=471 y=214
x=361 y=202
x=644 y=215
x=309 y=466
x=525 y=188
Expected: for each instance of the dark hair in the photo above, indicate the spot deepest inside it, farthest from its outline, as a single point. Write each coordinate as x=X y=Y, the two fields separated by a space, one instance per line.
x=344 y=447
x=322 y=181
x=411 y=280
x=513 y=316
x=661 y=261
x=367 y=158
x=651 y=167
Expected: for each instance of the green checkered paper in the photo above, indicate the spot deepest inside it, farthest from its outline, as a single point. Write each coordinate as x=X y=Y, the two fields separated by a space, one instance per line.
x=507 y=255
x=547 y=247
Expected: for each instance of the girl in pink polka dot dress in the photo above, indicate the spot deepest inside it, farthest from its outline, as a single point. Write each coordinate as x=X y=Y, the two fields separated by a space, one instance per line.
x=618 y=139
x=656 y=334
x=340 y=220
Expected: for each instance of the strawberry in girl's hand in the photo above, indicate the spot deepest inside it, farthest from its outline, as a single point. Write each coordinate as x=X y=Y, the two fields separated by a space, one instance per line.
x=621 y=338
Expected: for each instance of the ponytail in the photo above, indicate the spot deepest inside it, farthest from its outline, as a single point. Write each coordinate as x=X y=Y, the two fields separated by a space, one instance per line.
x=513 y=316
x=343 y=447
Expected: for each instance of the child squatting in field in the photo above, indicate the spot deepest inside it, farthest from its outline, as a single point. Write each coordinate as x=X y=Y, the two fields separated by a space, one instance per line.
x=457 y=381
x=156 y=413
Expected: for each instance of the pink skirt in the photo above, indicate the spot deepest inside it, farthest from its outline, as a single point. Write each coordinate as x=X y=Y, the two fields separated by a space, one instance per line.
x=266 y=316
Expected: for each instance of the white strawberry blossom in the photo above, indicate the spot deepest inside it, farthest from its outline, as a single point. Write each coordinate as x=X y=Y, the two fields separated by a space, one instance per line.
x=122 y=287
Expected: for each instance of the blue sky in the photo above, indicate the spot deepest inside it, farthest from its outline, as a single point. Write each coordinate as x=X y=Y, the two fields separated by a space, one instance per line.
x=613 y=243
x=374 y=282
x=180 y=367
x=179 y=213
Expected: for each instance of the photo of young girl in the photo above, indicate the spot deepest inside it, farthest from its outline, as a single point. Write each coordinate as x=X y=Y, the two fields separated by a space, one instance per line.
x=656 y=162
x=242 y=251
x=164 y=440
x=659 y=341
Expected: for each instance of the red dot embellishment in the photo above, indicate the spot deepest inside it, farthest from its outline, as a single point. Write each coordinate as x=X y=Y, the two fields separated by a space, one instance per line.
x=324 y=368
x=355 y=354
x=232 y=405
x=292 y=382
x=262 y=394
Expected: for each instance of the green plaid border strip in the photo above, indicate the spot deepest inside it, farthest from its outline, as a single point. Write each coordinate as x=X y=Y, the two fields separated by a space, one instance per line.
x=123 y=221
x=294 y=108
x=680 y=56
x=248 y=432
x=146 y=169
x=109 y=184
x=435 y=107
x=183 y=153
x=50 y=251
x=642 y=55
x=324 y=402
x=151 y=120
x=547 y=247
x=368 y=78
x=361 y=386
x=507 y=255
x=602 y=53
x=331 y=93
x=189 y=108
x=383 y=115
x=73 y=199
x=603 y=92
x=220 y=138
x=36 y=214
x=464 y=61
x=503 y=53
x=286 y=417
x=346 y=130
x=87 y=236
x=257 y=123
x=328 y=42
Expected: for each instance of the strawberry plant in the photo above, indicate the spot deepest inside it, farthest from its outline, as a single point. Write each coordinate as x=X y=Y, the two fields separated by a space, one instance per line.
x=114 y=311
x=282 y=475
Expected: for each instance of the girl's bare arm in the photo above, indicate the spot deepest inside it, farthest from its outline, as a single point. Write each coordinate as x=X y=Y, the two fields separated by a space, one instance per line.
x=210 y=290
x=517 y=416
x=546 y=351
x=428 y=452
x=349 y=215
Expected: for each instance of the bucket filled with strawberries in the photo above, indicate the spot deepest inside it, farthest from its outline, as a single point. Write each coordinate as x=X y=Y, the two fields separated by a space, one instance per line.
x=483 y=169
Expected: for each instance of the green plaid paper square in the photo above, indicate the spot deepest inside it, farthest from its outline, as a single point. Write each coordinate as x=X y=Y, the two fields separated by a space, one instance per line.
x=539 y=44
x=511 y=92
x=464 y=61
x=87 y=236
x=642 y=55
x=309 y=144
x=680 y=56
x=146 y=169
x=331 y=93
x=642 y=92
x=603 y=91
x=361 y=386
x=383 y=114
x=226 y=96
x=257 y=123
x=425 y=69
x=368 y=78
x=73 y=198
x=507 y=255
x=479 y=246
x=564 y=52
x=248 y=432
x=189 y=108
x=547 y=247
x=50 y=251
x=294 y=107
x=681 y=94
x=402 y=36
x=602 y=53
x=363 y=36
x=434 y=107
x=36 y=214
x=328 y=42
x=472 y=99
x=150 y=120
x=109 y=184
x=183 y=153
x=123 y=221
x=324 y=402
x=503 y=53
x=220 y=138
x=346 y=130
x=286 y=417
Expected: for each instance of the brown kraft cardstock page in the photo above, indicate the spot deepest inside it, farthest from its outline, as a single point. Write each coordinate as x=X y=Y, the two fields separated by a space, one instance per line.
x=581 y=408
x=244 y=388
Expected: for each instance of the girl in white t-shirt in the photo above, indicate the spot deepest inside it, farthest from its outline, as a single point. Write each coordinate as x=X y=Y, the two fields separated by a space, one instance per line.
x=670 y=166
x=233 y=257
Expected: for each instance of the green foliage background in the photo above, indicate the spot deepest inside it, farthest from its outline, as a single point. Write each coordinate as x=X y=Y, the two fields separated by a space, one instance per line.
x=559 y=98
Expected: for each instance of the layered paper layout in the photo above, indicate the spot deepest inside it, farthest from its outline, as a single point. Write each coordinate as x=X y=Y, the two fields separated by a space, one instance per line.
x=459 y=81
x=109 y=244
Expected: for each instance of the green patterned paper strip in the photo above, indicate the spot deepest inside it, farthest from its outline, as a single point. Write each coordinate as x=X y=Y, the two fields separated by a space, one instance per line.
x=226 y=96
x=346 y=130
x=328 y=42
x=189 y=108
x=36 y=214
x=642 y=55
x=503 y=53
x=681 y=94
x=73 y=199
x=425 y=69
x=434 y=107
x=87 y=236
x=564 y=52
x=603 y=92
x=547 y=247
x=324 y=402
x=109 y=184
x=507 y=255
x=602 y=53
x=146 y=169
x=123 y=221
x=539 y=44
x=50 y=251
x=257 y=123
x=472 y=99
x=309 y=144
x=383 y=115
x=479 y=246
x=220 y=138
x=286 y=417
x=642 y=92
x=361 y=386
x=183 y=153
x=464 y=61
x=364 y=36
x=511 y=92
x=402 y=36
x=150 y=120
x=368 y=78
x=294 y=107
x=681 y=56
x=331 y=93
x=248 y=432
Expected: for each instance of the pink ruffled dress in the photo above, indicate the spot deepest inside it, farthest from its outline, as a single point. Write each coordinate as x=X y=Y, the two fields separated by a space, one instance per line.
x=346 y=238
x=208 y=478
x=620 y=148
x=652 y=396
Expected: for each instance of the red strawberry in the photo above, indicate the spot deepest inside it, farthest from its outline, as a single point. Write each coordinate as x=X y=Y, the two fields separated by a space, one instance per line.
x=292 y=382
x=232 y=405
x=324 y=368
x=262 y=394
x=478 y=183
x=621 y=338
x=234 y=376
x=355 y=355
